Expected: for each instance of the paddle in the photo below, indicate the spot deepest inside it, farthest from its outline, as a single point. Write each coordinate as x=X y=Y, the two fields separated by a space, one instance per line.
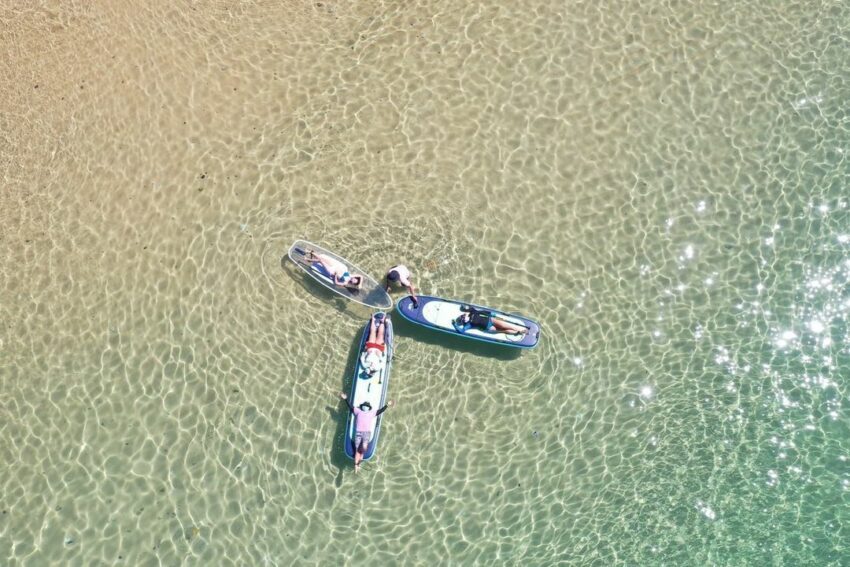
x=304 y=253
x=344 y=397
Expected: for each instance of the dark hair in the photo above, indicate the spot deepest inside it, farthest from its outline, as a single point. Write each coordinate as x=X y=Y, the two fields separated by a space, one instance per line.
x=352 y=283
x=393 y=276
x=367 y=404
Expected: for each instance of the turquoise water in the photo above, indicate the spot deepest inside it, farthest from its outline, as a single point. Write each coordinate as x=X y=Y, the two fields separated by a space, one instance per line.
x=661 y=185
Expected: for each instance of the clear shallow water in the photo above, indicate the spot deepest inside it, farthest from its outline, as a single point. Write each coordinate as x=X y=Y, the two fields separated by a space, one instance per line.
x=661 y=185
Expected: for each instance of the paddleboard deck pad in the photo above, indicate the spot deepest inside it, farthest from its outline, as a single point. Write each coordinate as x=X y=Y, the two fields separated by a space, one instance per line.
x=444 y=314
x=372 y=389
x=371 y=292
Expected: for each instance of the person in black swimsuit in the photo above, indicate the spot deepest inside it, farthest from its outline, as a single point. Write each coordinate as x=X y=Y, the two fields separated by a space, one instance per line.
x=486 y=321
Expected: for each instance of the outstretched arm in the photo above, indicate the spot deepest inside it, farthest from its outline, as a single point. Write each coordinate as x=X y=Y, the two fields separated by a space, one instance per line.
x=344 y=397
x=383 y=409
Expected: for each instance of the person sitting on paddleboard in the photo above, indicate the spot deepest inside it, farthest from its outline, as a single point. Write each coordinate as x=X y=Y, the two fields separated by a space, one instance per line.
x=374 y=357
x=400 y=274
x=364 y=426
x=486 y=321
x=336 y=270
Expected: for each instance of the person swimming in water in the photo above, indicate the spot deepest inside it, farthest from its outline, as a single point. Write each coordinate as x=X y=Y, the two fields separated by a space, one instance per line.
x=335 y=269
x=401 y=275
x=365 y=420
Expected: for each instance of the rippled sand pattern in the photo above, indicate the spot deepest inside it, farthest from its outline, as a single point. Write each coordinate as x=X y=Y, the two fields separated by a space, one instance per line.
x=663 y=185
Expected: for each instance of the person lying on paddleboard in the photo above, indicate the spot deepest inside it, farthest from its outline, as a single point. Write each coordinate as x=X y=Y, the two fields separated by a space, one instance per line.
x=486 y=321
x=364 y=426
x=335 y=269
x=374 y=357
x=401 y=275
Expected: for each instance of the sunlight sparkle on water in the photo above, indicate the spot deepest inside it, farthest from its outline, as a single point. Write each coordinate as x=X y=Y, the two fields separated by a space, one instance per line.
x=785 y=338
x=706 y=510
x=773 y=478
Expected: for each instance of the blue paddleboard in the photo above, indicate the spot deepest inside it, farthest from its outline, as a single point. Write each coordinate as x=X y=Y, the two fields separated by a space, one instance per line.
x=372 y=389
x=444 y=315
